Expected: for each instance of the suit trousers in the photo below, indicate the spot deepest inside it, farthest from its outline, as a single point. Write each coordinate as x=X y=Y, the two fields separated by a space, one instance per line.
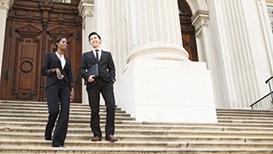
x=58 y=101
x=106 y=89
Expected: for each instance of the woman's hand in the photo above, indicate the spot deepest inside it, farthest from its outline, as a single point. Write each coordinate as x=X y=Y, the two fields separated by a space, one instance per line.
x=91 y=78
x=59 y=73
x=72 y=94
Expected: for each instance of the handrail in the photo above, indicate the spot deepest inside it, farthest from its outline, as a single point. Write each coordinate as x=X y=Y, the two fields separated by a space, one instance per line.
x=265 y=97
x=269 y=79
x=260 y=99
x=269 y=85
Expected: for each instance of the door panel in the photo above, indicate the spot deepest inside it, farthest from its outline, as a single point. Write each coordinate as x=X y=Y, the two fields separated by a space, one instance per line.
x=26 y=70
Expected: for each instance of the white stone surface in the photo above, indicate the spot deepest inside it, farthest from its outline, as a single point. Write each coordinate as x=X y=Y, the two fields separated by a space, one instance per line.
x=167 y=91
x=242 y=51
x=4 y=5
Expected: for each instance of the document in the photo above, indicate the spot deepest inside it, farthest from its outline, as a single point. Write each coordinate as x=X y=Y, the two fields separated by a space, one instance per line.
x=94 y=70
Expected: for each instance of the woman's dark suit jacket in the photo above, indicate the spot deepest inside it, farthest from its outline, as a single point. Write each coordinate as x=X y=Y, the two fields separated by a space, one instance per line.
x=51 y=62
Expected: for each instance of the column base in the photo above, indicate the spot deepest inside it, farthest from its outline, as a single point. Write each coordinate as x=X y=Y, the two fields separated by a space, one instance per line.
x=167 y=91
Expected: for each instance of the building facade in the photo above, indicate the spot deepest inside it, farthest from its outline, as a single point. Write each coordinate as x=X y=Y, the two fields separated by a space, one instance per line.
x=193 y=55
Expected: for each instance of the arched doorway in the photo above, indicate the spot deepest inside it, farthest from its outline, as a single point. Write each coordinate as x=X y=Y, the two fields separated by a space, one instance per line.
x=32 y=27
x=188 y=31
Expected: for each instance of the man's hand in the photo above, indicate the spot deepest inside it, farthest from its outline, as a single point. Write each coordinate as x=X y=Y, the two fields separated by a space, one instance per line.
x=91 y=78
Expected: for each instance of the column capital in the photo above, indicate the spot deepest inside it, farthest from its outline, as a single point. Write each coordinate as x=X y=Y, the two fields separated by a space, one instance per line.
x=86 y=8
x=200 y=19
x=269 y=1
x=5 y=4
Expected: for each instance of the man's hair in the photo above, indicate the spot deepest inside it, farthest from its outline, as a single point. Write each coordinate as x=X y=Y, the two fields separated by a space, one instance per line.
x=93 y=33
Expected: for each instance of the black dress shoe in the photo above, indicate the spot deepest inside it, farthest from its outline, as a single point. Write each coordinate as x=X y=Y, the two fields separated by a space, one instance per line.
x=57 y=146
x=111 y=138
x=96 y=138
x=47 y=138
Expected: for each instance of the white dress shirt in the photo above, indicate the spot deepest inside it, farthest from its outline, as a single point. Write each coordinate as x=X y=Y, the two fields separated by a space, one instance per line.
x=99 y=52
x=62 y=59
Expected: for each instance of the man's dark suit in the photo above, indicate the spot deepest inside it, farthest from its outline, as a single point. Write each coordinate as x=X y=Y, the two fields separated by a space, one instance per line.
x=103 y=84
x=57 y=91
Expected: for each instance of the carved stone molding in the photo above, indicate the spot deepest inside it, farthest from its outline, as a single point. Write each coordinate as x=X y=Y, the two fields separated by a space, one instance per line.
x=4 y=4
x=62 y=1
x=86 y=8
x=269 y=1
x=199 y=20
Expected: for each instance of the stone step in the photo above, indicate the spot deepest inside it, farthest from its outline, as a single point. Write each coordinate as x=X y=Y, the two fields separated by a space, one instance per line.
x=150 y=135
x=80 y=108
x=25 y=112
x=37 y=115
x=87 y=131
x=132 y=137
x=84 y=106
x=245 y=117
x=123 y=119
x=80 y=104
x=44 y=104
x=28 y=124
x=130 y=144
x=45 y=112
x=241 y=131
x=71 y=120
x=87 y=110
x=129 y=128
x=242 y=111
x=223 y=120
x=133 y=150
x=12 y=112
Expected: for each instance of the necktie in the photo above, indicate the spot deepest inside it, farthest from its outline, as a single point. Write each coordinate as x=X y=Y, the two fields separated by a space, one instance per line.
x=97 y=55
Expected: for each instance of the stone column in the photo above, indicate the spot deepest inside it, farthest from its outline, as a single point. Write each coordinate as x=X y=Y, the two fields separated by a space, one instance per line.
x=242 y=50
x=159 y=82
x=201 y=21
x=4 y=7
x=86 y=9
x=154 y=30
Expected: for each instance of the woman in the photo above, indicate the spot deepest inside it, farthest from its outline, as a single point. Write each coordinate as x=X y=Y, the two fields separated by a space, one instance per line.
x=59 y=92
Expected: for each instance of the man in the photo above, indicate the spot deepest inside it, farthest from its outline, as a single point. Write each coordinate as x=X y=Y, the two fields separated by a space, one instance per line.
x=99 y=83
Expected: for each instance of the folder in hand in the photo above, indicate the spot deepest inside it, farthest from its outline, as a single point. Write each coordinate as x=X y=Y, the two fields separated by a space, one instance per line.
x=94 y=70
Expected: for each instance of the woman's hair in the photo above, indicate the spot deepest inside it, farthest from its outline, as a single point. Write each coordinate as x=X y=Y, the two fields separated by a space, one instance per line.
x=58 y=39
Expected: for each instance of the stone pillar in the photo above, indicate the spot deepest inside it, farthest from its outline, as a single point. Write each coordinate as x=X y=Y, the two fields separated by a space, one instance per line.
x=242 y=50
x=201 y=22
x=4 y=7
x=152 y=33
x=86 y=9
x=159 y=82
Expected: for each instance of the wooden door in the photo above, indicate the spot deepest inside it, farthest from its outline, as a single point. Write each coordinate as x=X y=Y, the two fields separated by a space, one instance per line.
x=32 y=27
x=187 y=29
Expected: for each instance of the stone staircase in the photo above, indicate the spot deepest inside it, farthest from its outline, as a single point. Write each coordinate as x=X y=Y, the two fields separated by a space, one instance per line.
x=238 y=132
